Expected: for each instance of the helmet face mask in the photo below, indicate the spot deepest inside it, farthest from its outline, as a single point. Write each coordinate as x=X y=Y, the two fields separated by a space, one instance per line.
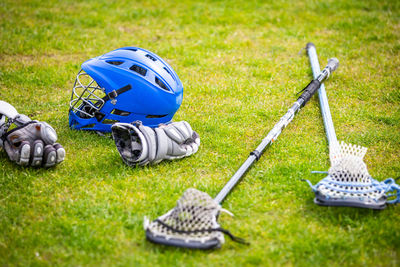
x=124 y=85
x=86 y=96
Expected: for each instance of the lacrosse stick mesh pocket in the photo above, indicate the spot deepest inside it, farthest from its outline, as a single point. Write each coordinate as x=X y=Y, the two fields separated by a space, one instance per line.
x=348 y=182
x=191 y=223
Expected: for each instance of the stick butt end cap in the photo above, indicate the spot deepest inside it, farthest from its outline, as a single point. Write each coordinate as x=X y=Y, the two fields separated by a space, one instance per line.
x=333 y=64
x=309 y=45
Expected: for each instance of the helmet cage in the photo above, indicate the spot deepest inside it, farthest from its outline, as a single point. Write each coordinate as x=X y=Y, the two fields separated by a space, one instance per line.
x=87 y=96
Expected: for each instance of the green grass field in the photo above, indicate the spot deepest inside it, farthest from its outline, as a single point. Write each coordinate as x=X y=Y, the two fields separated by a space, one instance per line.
x=241 y=64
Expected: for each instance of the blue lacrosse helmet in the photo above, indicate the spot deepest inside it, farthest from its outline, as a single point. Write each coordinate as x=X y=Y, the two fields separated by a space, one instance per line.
x=124 y=85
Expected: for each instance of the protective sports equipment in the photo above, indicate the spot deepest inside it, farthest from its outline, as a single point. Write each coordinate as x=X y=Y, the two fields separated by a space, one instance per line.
x=31 y=142
x=193 y=222
x=348 y=182
x=141 y=145
x=124 y=85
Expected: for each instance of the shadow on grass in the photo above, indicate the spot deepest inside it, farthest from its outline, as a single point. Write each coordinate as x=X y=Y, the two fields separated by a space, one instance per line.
x=343 y=216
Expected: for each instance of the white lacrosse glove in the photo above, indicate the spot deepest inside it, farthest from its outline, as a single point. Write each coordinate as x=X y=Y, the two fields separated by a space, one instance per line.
x=141 y=145
x=30 y=142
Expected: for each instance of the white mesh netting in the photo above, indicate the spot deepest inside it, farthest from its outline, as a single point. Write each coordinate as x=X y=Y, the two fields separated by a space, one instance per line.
x=194 y=218
x=348 y=176
x=339 y=152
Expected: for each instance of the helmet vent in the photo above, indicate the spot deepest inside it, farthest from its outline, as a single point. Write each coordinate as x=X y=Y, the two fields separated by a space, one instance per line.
x=168 y=71
x=107 y=121
x=88 y=126
x=138 y=69
x=155 y=116
x=131 y=49
x=151 y=57
x=161 y=84
x=120 y=112
x=115 y=62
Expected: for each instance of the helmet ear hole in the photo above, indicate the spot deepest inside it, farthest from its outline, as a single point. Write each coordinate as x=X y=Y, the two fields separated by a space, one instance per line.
x=99 y=116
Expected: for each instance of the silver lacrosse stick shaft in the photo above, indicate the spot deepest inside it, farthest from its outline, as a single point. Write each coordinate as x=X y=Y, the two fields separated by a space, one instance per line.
x=306 y=95
x=323 y=100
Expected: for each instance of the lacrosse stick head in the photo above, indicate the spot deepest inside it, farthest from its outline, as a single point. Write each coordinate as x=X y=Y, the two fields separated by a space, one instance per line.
x=192 y=223
x=348 y=182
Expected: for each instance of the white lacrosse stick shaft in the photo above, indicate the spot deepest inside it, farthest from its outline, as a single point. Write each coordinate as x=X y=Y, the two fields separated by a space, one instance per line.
x=323 y=100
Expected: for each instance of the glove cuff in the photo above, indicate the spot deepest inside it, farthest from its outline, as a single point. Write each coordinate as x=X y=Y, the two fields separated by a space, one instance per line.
x=131 y=143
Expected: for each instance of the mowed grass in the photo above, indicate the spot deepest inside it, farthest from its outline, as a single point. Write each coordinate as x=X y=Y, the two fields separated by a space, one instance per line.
x=241 y=63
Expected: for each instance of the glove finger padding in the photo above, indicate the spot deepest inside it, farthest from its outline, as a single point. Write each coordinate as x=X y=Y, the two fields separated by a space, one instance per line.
x=182 y=140
x=33 y=143
x=141 y=145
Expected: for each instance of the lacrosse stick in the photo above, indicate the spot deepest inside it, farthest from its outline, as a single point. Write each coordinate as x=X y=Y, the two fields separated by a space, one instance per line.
x=348 y=182
x=193 y=221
